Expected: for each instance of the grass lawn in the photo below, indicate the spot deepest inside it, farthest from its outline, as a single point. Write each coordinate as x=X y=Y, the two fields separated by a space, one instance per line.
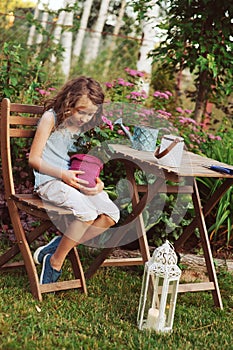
x=106 y=318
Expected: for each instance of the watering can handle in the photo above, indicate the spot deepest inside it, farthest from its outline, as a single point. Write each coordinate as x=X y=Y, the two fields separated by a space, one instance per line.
x=166 y=150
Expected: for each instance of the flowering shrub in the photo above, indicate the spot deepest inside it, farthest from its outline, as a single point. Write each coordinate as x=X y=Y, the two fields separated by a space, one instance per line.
x=195 y=137
x=161 y=100
x=122 y=90
x=134 y=106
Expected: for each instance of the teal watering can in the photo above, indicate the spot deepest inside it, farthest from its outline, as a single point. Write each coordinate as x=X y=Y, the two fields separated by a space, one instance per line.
x=143 y=138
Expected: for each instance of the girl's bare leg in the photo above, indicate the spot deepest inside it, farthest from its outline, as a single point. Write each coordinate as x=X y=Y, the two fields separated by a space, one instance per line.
x=86 y=230
x=66 y=244
x=101 y=224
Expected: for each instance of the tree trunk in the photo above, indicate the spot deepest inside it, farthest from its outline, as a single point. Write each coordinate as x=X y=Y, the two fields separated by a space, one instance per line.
x=116 y=31
x=149 y=39
x=58 y=30
x=33 y=27
x=44 y=21
x=66 y=41
x=93 y=48
x=203 y=88
x=82 y=29
x=202 y=96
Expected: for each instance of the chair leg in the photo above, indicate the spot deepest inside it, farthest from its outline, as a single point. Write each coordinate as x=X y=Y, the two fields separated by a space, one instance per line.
x=25 y=251
x=14 y=250
x=77 y=268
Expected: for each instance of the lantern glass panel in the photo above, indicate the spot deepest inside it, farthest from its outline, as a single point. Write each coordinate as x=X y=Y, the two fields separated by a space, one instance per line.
x=171 y=303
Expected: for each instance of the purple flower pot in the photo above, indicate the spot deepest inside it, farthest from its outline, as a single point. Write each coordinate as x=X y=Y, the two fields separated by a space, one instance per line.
x=90 y=164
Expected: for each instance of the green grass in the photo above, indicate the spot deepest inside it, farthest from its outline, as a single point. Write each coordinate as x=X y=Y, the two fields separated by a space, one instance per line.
x=106 y=318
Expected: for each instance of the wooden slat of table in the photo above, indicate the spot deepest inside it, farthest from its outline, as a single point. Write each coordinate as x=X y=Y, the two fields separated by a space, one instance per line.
x=191 y=165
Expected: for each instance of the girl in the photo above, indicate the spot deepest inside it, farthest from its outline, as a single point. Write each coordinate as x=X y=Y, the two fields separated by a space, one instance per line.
x=76 y=108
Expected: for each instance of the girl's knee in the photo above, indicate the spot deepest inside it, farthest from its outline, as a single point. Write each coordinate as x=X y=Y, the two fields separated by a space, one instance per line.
x=108 y=220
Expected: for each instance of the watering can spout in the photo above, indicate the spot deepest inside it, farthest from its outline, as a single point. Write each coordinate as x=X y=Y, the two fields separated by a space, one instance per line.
x=126 y=131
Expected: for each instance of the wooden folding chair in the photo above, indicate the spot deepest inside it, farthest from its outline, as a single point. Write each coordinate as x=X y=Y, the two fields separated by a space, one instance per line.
x=18 y=121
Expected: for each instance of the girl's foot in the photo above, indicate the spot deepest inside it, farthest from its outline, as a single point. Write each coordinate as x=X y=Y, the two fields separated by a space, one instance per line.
x=49 y=274
x=46 y=249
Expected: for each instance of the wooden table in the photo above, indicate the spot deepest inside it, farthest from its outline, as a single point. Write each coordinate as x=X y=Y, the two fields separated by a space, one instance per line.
x=184 y=180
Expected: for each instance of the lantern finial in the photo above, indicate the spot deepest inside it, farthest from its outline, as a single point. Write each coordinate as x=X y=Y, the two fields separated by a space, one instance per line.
x=165 y=254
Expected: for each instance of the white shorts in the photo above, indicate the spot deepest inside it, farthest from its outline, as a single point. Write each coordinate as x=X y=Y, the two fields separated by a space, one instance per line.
x=83 y=207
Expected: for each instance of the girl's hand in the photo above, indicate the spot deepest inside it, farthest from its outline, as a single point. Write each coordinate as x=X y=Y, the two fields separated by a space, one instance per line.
x=70 y=178
x=91 y=191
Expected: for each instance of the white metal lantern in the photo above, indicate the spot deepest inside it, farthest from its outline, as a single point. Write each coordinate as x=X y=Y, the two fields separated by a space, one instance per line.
x=159 y=290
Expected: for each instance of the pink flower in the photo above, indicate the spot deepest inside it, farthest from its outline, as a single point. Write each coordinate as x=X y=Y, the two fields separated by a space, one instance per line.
x=43 y=92
x=187 y=120
x=127 y=83
x=218 y=138
x=51 y=89
x=134 y=73
x=107 y=122
x=161 y=94
x=122 y=82
x=143 y=94
x=156 y=94
x=138 y=94
x=179 y=110
x=164 y=113
x=109 y=85
x=121 y=132
x=188 y=111
x=127 y=69
x=135 y=93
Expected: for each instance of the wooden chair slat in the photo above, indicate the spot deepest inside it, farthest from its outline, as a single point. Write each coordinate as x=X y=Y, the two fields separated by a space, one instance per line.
x=35 y=202
x=18 y=120
x=21 y=108
x=22 y=133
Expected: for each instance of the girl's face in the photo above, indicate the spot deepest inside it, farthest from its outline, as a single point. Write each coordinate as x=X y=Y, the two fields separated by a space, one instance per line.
x=83 y=111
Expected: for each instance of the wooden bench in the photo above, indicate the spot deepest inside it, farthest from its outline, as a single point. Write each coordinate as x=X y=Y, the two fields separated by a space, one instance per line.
x=19 y=121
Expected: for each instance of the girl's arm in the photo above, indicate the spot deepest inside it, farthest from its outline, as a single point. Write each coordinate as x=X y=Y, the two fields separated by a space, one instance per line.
x=43 y=132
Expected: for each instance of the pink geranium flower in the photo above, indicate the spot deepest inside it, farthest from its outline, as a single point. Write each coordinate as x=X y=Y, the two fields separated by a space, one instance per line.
x=107 y=122
x=134 y=72
x=121 y=132
x=43 y=92
x=179 y=110
x=161 y=94
x=122 y=82
x=109 y=85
